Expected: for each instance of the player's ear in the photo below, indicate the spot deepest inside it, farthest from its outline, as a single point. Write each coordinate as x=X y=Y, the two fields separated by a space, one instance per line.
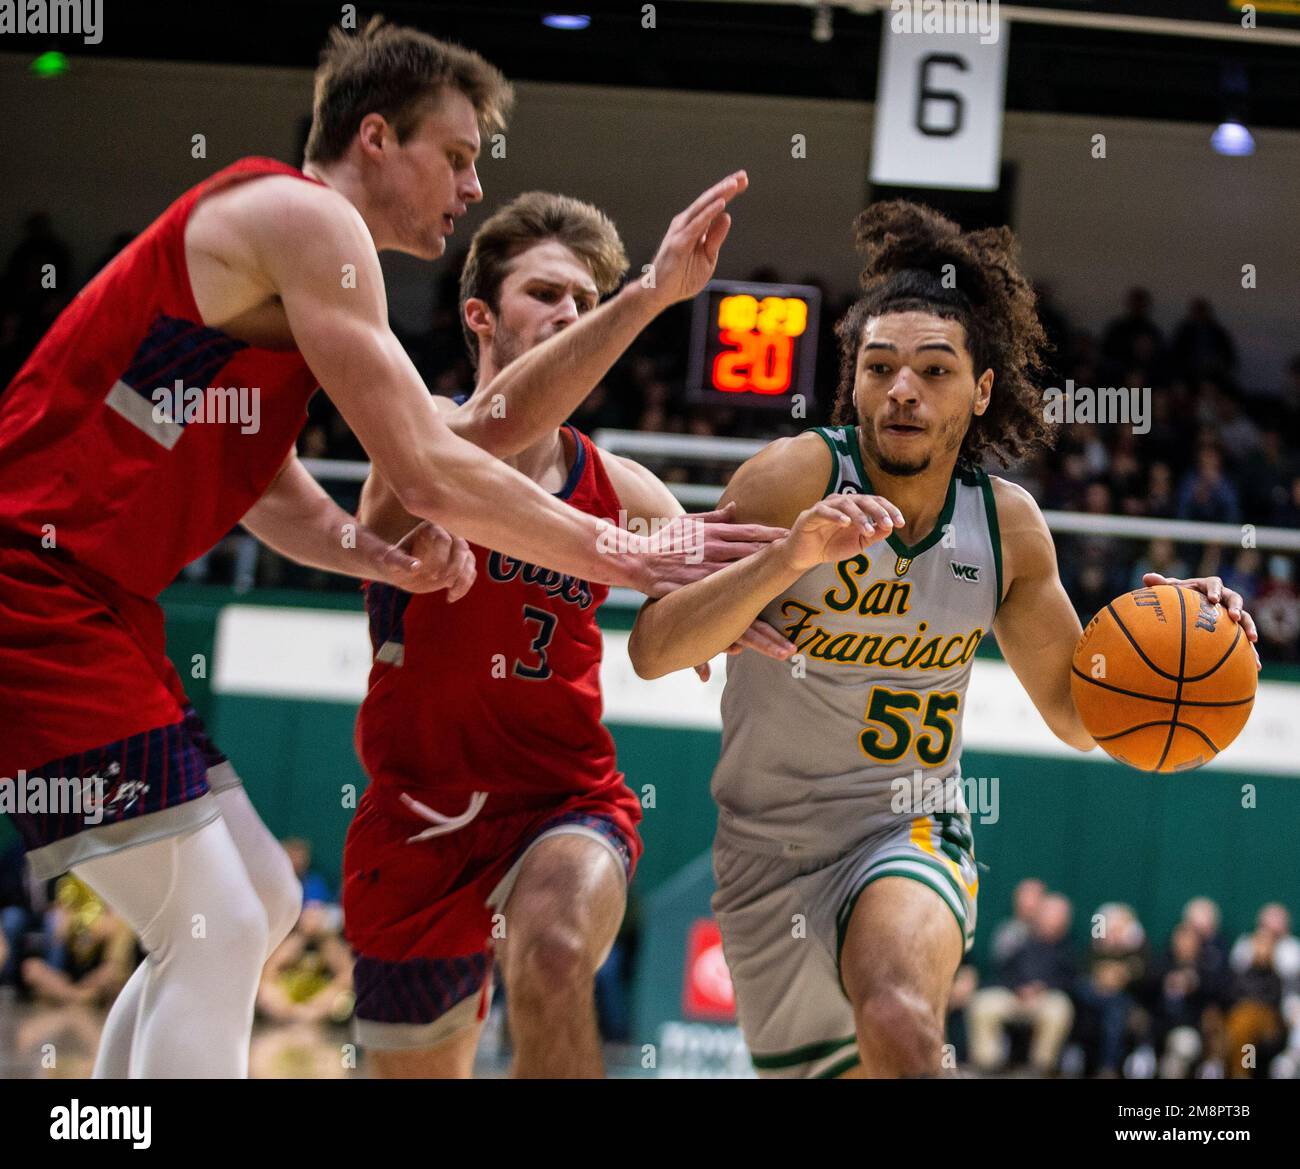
x=983 y=391
x=374 y=134
x=480 y=318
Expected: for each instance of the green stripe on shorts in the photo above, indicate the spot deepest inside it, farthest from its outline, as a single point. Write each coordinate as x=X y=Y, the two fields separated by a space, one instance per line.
x=838 y=1069
x=927 y=876
x=806 y=1054
x=898 y=863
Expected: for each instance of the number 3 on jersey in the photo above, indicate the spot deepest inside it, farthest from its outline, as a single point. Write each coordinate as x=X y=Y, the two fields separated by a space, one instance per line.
x=933 y=740
x=546 y=623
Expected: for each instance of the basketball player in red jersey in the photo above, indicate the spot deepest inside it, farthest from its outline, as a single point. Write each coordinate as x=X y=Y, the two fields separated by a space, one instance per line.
x=497 y=826
x=250 y=290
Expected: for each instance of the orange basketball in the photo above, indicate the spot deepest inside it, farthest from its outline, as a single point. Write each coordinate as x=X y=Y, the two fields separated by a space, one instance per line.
x=1162 y=679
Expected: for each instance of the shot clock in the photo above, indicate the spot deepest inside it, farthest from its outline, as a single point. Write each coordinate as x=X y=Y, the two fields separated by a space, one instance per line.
x=753 y=344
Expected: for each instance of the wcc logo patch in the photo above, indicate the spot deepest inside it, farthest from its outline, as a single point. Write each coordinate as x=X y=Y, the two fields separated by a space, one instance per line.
x=969 y=572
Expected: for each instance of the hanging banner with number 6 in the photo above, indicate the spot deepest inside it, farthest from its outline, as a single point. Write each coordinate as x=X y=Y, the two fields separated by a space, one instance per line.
x=939 y=102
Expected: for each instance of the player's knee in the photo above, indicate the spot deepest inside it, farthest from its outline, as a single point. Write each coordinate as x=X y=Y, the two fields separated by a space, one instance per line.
x=901 y=1028
x=226 y=940
x=554 y=962
x=245 y=933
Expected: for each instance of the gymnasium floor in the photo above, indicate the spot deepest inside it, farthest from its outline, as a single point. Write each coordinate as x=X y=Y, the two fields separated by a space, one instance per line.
x=34 y=1037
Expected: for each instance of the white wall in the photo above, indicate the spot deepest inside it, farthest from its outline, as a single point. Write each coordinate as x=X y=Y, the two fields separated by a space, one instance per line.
x=107 y=146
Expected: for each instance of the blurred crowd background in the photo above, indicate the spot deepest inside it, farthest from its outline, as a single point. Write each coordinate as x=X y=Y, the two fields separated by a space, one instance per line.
x=1129 y=1004
x=1215 y=450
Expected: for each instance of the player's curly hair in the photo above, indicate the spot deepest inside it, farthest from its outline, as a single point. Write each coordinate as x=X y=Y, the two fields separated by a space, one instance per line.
x=918 y=260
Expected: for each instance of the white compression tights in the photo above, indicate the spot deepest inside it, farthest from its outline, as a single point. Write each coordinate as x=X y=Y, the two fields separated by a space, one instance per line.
x=187 y=1011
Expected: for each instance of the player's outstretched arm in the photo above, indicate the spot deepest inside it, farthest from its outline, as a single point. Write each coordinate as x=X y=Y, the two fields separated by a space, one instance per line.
x=315 y=253
x=298 y=519
x=537 y=391
x=703 y=619
x=647 y=502
x=1036 y=626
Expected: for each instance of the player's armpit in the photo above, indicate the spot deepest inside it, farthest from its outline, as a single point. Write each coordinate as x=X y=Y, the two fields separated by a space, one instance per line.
x=1036 y=626
x=381 y=511
x=643 y=495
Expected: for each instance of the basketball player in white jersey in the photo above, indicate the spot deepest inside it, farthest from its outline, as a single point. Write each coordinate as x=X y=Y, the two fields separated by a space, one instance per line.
x=846 y=903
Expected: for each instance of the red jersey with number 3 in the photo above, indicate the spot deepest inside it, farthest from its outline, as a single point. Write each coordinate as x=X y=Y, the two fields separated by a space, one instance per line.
x=500 y=691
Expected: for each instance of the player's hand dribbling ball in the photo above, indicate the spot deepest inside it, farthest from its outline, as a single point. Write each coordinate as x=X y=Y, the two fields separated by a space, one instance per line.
x=1163 y=678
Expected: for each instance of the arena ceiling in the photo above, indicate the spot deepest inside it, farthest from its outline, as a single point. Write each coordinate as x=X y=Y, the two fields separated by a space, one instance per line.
x=1201 y=69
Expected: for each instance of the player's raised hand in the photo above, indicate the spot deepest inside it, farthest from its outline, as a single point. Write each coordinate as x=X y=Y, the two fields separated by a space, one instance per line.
x=427 y=559
x=1217 y=594
x=691 y=547
x=839 y=527
x=688 y=254
x=759 y=637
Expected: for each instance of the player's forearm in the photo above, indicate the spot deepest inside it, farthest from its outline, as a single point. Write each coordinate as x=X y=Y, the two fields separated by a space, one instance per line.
x=382 y=512
x=537 y=391
x=696 y=623
x=297 y=518
x=1045 y=673
x=487 y=502
x=1069 y=728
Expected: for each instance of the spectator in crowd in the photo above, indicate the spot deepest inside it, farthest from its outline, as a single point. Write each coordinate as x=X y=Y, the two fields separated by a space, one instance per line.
x=1277 y=611
x=1244 y=574
x=1186 y=985
x=1161 y=500
x=1120 y=342
x=23 y=904
x=1287 y=512
x=1034 y=985
x=36 y=283
x=1275 y=920
x=1093 y=590
x=315 y=889
x=1011 y=934
x=1162 y=557
x=91 y=951
x=1235 y=432
x=308 y=978
x=1118 y=962
x=1202 y=347
x=1254 y=1023
x=1265 y=478
x=1204 y=916
x=1206 y=493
